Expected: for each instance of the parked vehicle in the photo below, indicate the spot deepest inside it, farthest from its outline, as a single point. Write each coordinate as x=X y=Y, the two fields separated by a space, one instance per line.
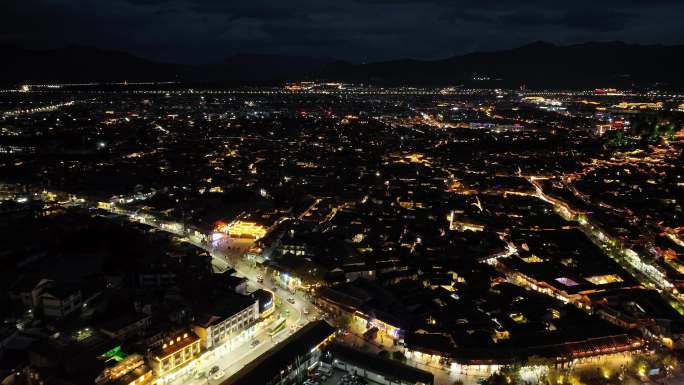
x=371 y=333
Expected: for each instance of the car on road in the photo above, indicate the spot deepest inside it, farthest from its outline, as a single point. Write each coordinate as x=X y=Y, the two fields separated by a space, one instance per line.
x=214 y=370
x=371 y=333
x=260 y=279
x=291 y=300
x=254 y=343
x=218 y=375
x=306 y=311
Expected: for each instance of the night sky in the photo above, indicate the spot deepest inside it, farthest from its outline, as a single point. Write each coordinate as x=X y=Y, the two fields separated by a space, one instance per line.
x=194 y=31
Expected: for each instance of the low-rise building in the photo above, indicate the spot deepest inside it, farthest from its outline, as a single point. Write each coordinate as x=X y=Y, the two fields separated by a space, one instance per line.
x=60 y=301
x=156 y=279
x=175 y=351
x=379 y=370
x=141 y=375
x=126 y=325
x=266 y=304
x=27 y=290
x=226 y=319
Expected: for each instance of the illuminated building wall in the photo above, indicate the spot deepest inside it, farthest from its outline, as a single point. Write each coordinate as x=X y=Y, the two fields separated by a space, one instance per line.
x=639 y=105
x=382 y=326
x=217 y=331
x=242 y=229
x=176 y=351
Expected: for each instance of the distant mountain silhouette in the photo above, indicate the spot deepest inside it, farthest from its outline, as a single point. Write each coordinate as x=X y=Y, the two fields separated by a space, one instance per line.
x=541 y=65
x=79 y=64
x=537 y=65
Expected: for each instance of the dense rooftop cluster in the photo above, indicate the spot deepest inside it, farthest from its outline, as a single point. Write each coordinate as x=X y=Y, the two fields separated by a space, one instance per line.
x=458 y=227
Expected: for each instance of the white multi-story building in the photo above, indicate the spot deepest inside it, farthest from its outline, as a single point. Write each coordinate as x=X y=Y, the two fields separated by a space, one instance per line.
x=227 y=319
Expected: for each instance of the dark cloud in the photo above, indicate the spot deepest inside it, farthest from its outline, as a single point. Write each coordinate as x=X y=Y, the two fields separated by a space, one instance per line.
x=359 y=30
x=586 y=20
x=598 y=21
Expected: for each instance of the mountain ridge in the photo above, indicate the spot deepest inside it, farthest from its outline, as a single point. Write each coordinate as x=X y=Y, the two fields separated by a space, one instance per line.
x=537 y=65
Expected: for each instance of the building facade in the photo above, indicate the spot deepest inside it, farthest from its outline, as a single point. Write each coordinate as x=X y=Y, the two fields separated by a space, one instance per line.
x=58 y=303
x=214 y=330
x=176 y=350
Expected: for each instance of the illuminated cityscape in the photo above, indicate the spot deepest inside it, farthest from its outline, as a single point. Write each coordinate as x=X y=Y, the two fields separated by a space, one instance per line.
x=438 y=234
x=271 y=196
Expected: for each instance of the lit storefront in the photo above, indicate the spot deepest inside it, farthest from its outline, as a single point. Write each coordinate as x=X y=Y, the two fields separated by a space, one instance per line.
x=383 y=327
x=176 y=351
x=242 y=229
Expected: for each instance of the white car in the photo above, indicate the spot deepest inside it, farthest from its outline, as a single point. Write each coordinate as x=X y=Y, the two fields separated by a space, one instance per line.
x=218 y=375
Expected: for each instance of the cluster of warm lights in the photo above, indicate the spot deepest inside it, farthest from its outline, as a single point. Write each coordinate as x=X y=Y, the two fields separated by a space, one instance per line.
x=240 y=228
x=140 y=380
x=170 y=343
